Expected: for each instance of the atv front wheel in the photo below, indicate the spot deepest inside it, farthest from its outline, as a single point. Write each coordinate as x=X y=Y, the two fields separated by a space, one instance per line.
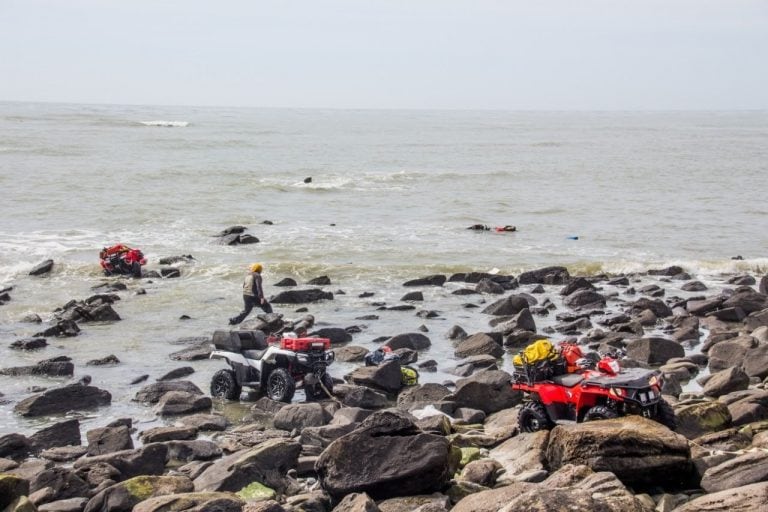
x=666 y=415
x=317 y=392
x=224 y=385
x=600 y=412
x=280 y=385
x=533 y=417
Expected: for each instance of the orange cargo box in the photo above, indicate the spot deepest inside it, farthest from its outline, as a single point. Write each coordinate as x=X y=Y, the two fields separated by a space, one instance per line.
x=305 y=344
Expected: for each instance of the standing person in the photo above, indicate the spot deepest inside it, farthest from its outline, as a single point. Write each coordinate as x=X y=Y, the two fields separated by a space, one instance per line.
x=253 y=294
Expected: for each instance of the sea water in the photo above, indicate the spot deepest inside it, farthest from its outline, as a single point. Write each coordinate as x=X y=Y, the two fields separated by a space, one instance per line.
x=390 y=197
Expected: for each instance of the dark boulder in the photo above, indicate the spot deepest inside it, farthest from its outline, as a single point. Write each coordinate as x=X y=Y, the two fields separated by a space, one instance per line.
x=182 y=402
x=42 y=268
x=584 y=299
x=546 y=275
x=657 y=306
x=63 y=433
x=668 y=271
x=476 y=344
x=654 y=350
x=360 y=396
x=104 y=361
x=196 y=352
x=29 y=344
x=267 y=463
x=726 y=381
x=488 y=391
x=575 y=285
x=408 y=462
x=522 y=321
x=177 y=373
x=730 y=352
x=413 y=296
x=301 y=296
x=286 y=281
x=15 y=446
x=412 y=340
x=108 y=440
x=337 y=335
x=63 y=399
x=319 y=281
x=433 y=280
x=507 y=306
x=386 y=376
x=640 y=452
x=694 y=286
x=152 y=393
x=60 y=366
x=489 y=286
x=62 y=328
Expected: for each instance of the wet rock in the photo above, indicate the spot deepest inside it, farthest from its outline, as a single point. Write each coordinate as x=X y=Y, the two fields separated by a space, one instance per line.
x=147 y=460
x=202 y=422
x=193 y=502
x=413 y=341
x=522 y=454
x=412 y=296
x=42 y=268
x=726 y=381
x=409 y=462
x=29 y=344
x=170 y=260
x=337 y=335
x=360 y=396
x=584 y=299
x=699 y=418
x=694 y=286
x=62 y=328
x=123 y=496
x=301 y=296
x=63 y=399
x=286 y=281
x=350 y=354
x=110 y=359
x=183 y=451
x=748 y=300
x=152 y=393
x=488 y=391
x=386 y=376
x=433 y=280
x=730 y=352
x=63 y=433
x=300 y=416
x=477 y=344
x=654 y=350
x=63 y=482
x=170 y=272
x=15 y=446
x=182 y=402
x=748 y=497
x=546 y=275
x=247 y=238
x=267 y=463
x=194 y=353
x=60 y=366
x=647 y=453
x=522 y=321
x=657 y=306
x=177 y=373
x=108 y=440
x=507 y=306
x=232 y=230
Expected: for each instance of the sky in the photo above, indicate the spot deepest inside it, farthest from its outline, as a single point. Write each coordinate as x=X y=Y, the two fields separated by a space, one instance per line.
x=390 y=54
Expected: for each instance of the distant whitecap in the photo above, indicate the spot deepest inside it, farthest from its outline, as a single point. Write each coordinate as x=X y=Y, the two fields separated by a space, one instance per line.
x=168 y=124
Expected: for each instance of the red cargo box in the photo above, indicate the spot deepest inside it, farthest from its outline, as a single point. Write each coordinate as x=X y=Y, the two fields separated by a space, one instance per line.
x=305 y=344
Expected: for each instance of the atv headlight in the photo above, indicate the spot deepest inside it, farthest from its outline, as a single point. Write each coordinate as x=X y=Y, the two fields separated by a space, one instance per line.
x=617 y=392
x=654 y=380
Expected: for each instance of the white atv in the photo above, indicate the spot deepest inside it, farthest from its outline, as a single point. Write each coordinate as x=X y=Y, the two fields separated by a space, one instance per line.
x=271 y=365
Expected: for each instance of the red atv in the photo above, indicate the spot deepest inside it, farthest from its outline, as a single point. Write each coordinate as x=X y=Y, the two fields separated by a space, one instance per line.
x=594 y=390
x=122 y=260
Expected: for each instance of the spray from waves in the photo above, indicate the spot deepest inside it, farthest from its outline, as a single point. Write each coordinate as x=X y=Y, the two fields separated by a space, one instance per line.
x=166 y=124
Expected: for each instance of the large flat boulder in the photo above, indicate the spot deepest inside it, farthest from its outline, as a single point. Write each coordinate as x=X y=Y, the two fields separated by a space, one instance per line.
x=741 y=499
x=488 y=391
x=640 y=452
x=63 y=399
x=407 y=461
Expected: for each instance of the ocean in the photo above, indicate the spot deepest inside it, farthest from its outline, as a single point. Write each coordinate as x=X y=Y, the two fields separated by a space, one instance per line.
x=390 y=198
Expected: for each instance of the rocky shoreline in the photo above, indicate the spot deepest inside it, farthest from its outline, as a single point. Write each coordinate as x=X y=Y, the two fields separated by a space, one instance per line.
x=379 y=445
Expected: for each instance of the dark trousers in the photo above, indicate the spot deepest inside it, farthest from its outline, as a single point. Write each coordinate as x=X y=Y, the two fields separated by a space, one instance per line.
x=250 y=303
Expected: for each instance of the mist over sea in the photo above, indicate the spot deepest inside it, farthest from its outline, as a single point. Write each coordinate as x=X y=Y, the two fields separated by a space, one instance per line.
x=391 y=196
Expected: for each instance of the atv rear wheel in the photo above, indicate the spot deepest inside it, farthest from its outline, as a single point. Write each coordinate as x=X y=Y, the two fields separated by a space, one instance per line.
x=280 y=385
x=600 y=412
x=533 y=417
x=666 y=415
x=317 y=392
x=224 y=385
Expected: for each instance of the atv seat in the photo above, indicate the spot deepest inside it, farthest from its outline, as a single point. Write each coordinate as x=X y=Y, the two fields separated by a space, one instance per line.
x=235 y=341
x=568 y=380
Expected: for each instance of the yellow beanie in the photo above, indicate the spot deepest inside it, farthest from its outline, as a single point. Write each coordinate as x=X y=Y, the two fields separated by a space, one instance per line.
x=256 y=267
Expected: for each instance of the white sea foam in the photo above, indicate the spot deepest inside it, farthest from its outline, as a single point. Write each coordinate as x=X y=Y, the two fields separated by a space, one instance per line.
x=168 y=124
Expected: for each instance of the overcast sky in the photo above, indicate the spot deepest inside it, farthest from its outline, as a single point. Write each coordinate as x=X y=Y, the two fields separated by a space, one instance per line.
x=504 y=54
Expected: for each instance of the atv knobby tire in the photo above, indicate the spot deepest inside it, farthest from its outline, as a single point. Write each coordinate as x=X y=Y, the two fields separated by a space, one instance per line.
x=533 y=417
x=280 y=385
x=666 y=415
x=317 y=392
x=224 y=385
x=600 y=412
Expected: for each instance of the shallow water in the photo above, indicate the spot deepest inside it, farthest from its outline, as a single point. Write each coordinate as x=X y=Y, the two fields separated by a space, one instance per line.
x=391 y=195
